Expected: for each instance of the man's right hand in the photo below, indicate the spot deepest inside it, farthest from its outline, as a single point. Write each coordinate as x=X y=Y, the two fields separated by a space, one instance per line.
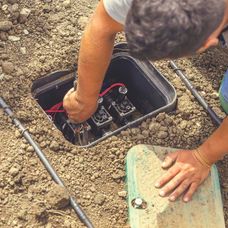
x=93 y=61
x=78 y=110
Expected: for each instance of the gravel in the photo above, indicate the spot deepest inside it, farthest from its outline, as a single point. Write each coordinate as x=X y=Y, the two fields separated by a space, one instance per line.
x=51 y=35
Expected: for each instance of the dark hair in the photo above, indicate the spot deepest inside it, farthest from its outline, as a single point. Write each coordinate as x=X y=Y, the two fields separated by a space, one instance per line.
x=159 y=29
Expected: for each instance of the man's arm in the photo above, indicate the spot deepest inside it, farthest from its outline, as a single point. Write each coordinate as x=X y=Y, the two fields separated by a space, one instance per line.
x=188 y=173
x=94 y=57
x=217 y=144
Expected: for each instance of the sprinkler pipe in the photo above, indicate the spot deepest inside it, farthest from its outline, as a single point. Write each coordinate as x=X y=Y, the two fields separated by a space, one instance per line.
x=24 y=132
x=195 y=93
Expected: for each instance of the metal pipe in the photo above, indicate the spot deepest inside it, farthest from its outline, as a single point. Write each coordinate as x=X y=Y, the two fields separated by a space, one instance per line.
x=81 y=214
x=195 y=93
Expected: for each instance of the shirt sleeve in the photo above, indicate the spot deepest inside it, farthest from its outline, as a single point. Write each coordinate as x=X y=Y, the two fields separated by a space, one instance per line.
x=117 y=9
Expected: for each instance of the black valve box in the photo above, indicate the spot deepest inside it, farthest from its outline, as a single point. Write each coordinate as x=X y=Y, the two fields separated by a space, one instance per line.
x=148 y=93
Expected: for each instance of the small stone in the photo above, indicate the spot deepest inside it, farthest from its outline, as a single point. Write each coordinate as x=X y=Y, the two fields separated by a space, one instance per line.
x=183 y=124
x=113 y=138
x=24 y=14
x=49 y=225
x=67 y=3
x=99 y=199
x=14 y=171
x=19 y=72
x=122 y=194
x=67 y=223
x=22 y=214
x=7 y=67
x=135 y=131
x=162 y=135
x=92 y=189
x=17 y=134
x=4 y=7
x=120 y=174
x=2 y=77
x=163 y=128
x=168 y=121
x=139 y=137
x=14 y=38
x=5 y=25
x=43 y=144
x=14 y=223
x=15 y=7
x=161 y=117
x=25 y=31
x=144 y=125
x=8 y=77
x=12 y=1
x=23 y=50
x=3 y=37
x=30 y=149
x=58 y=197
x=47 y=9
x=4 y=56
x=125 y=133
x=82 y=22
x=145 y=133
x=54 y=146
x=154 y=127
x=23 y=146
x=74 y=151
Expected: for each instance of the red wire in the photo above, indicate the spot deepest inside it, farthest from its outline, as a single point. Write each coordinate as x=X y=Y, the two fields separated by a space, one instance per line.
x=55 y=108
x=109 y=88
x=54 y=111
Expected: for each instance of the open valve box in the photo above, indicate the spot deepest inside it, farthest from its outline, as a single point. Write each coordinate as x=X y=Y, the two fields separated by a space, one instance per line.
x=132 y=91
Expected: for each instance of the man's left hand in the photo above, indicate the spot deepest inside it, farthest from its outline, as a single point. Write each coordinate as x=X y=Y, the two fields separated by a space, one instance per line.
x=184 y=175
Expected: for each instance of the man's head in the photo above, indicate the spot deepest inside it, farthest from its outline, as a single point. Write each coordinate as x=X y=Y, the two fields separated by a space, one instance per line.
x=159 y=29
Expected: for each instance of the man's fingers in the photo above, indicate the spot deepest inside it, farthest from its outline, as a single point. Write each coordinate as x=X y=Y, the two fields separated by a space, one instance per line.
x=179 y=190
x=170 y=159
x=66 y=98
x=173 y=171
x=188 y=196
x=69 y=92
x=173 y=183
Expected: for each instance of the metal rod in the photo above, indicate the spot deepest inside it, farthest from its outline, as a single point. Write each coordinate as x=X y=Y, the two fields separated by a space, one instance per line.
x=81 y=214
x=195 y=93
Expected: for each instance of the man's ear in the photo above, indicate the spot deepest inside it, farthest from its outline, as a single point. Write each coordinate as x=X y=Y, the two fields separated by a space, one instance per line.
x=211 y=42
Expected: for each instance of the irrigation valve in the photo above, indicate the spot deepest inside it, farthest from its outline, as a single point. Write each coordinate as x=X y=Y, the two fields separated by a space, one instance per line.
x=122 y=93
x=132 y=91
x=113 y=106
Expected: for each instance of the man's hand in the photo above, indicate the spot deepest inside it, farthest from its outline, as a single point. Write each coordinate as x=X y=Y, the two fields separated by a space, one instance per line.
x=184 y=175
x=78 y=110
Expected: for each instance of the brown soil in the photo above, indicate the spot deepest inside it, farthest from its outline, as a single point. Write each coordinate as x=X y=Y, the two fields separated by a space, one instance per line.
x=43 y=38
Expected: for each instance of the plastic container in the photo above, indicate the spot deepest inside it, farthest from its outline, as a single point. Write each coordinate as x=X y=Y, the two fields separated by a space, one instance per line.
x=148 y=90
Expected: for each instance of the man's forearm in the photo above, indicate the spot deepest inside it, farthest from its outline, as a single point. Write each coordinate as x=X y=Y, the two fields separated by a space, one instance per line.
x=216 y=146
x=94 y=59
x=95 y=53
